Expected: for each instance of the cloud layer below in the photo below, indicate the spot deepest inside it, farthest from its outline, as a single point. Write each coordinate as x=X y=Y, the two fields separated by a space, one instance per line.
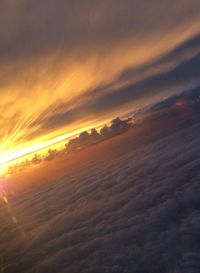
x=133 y=208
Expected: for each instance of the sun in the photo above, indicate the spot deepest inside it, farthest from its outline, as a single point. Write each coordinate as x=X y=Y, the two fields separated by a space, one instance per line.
x=16 y=154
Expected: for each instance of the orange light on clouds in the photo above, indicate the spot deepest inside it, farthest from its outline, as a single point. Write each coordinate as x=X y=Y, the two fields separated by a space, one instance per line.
x=34 y=87
x=27 y=150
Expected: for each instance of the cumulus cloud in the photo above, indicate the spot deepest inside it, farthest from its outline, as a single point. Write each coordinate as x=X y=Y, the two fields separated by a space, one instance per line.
x=86 y=139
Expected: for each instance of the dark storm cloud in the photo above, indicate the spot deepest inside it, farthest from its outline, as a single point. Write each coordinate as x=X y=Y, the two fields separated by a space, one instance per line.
x=134 y=213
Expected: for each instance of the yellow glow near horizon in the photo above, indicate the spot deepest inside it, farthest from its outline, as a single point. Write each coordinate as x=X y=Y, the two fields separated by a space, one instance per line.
x=17 y=154
x=53 y=82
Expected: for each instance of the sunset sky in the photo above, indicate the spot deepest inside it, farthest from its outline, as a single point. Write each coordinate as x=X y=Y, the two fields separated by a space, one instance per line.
x=66 y=66
x=99 y=136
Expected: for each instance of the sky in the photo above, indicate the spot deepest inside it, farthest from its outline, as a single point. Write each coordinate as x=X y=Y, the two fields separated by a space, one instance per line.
x=66 y=66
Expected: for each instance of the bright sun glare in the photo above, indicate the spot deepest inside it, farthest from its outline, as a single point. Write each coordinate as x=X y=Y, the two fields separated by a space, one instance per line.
x=16 y=154
x=13 y=155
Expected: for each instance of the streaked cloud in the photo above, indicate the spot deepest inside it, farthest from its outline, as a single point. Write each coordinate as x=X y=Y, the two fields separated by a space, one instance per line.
x=65 y=63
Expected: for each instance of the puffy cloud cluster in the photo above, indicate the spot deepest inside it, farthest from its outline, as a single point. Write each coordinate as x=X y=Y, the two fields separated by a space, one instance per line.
x=86 y=139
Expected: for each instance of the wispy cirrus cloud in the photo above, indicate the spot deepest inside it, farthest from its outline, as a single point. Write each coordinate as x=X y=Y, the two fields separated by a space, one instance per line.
x=58 y=51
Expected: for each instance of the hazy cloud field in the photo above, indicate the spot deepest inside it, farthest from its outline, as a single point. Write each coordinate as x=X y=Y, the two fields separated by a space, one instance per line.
x=130 y=208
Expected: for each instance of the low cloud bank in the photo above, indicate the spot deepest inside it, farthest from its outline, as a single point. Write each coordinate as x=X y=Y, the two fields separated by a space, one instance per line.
x=136 y=213
x=86 y=139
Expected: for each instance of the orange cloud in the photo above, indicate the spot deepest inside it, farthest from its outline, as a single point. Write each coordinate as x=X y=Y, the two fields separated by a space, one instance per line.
x=51 y=61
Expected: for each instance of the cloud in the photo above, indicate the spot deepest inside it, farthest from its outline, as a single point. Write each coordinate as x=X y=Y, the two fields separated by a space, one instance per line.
x=64 y=53
x=154 y=87
x=136 y=211
x=183 y=52
x=96 y=23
